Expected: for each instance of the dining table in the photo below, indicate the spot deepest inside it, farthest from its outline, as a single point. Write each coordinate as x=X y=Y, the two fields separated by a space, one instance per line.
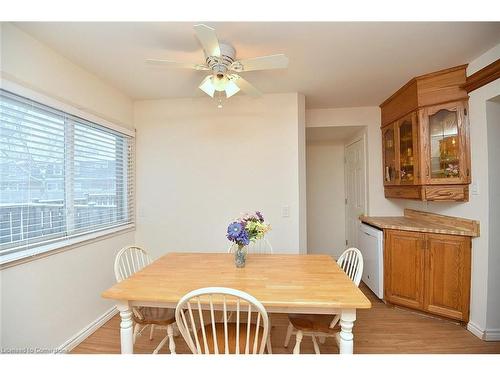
x=283 y=283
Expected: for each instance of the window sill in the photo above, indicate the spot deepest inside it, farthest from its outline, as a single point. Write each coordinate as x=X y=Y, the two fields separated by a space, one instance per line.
x=28 y=255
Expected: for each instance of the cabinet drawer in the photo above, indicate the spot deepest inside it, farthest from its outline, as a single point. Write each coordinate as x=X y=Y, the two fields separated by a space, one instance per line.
x=447 y=193
x=403 y=192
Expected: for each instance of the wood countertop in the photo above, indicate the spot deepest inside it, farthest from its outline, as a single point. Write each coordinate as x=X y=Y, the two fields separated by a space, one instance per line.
x=419 y=221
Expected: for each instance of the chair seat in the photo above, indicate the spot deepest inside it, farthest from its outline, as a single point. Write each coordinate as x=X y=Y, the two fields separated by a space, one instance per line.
x=155 y=315
x=231 y=339
x=313 y=323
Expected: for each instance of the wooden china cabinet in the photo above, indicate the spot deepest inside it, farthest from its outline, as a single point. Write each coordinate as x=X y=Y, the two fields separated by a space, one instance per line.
x=425 y=139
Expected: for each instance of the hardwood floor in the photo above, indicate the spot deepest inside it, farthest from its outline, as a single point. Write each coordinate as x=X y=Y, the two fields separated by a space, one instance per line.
x=381 y=329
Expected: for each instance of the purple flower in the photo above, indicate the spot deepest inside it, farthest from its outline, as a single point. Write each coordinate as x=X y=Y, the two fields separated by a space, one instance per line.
x=237 y=233
x=243 y=238
x=255 y=216
x=234 y=230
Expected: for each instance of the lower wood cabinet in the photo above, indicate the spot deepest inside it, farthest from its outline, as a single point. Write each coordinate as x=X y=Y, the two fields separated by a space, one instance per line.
x=404 y=258
x=428 y=272
x=447 y=278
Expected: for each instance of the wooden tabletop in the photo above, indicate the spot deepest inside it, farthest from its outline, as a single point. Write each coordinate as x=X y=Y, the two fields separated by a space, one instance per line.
x=291 y=282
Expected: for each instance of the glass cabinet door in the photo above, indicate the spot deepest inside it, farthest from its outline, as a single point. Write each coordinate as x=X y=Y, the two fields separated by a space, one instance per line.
x=444 y=144
x=407 y=150
x=389 y=143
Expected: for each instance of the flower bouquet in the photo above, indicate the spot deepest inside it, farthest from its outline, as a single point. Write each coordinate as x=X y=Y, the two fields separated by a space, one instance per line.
x=248 y=228
x=452 y=170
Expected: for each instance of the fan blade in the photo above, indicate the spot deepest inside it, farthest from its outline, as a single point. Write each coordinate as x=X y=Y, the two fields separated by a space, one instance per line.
x=208 y=40
x=176 y=64
x=245 y=86
x=264 y=62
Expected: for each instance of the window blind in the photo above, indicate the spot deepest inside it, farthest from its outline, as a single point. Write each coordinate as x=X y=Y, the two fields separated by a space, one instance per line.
x=61 y=176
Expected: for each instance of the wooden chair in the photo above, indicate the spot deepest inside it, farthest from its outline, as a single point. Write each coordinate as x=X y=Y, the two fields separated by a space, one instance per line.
x=204 y=334
x=322 y=326
x=262 y=246
x=128 y=261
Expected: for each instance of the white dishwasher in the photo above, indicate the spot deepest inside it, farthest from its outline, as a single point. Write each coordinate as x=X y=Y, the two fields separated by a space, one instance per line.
x=371 y=245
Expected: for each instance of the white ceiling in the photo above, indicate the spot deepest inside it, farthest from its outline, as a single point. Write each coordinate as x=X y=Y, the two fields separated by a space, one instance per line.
x=334 y=64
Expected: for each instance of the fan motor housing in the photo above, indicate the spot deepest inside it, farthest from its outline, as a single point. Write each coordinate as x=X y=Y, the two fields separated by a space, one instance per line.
x=220 y=64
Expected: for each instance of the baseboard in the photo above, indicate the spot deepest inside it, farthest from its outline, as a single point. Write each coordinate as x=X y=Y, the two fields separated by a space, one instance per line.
x=492 y=335
x=486 y=335
x=72 y=342
x=475 y=330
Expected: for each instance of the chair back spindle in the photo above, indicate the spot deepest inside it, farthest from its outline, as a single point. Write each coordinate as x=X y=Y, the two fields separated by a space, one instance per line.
x=351 y=261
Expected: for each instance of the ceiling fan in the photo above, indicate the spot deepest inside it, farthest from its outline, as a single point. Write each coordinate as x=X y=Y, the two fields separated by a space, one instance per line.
x=220 y=60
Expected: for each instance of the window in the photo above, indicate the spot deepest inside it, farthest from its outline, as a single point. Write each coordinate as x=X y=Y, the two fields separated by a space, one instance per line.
x=61 y=176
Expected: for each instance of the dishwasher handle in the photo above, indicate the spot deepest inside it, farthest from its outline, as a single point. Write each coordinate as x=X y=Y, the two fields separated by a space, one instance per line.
x=368 y=234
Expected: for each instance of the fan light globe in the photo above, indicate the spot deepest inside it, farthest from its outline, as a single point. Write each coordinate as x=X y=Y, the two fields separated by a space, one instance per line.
x=231 y=88
x=207 y=87
x=219 y=81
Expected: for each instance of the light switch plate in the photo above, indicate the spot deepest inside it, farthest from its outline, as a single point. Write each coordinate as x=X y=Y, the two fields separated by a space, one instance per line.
x=285 y=211
x=474 y=188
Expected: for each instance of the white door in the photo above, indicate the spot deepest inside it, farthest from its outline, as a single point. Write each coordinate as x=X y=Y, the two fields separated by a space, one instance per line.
x=355 y=189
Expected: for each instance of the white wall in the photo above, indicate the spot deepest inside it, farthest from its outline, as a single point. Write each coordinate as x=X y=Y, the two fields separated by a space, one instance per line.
x=301 y=103
x=46 y=301
x=199 y=167
x=325 y=197
x=370 y=118
x=493 y=126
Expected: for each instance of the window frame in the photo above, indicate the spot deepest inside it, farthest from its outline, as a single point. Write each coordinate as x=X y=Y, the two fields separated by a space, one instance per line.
x=51 y=246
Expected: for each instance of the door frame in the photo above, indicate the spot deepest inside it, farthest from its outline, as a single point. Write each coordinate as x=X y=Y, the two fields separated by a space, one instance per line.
x=363 y=139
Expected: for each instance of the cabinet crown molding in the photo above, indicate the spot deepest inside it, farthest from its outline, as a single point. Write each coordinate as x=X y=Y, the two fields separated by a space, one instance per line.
x=438 y=87
x=482 y=77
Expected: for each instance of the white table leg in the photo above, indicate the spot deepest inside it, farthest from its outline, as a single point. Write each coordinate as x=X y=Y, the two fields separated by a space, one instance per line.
x=170 y=335
x=346 y=338
x=298 y=340
x=126 y=330
x=289 y=332
x=316 y=346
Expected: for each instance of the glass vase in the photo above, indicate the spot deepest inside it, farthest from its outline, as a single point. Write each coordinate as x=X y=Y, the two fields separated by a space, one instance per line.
x=240 y=256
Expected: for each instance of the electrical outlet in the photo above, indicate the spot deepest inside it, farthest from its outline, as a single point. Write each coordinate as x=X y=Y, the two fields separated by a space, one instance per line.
x=285 y=211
